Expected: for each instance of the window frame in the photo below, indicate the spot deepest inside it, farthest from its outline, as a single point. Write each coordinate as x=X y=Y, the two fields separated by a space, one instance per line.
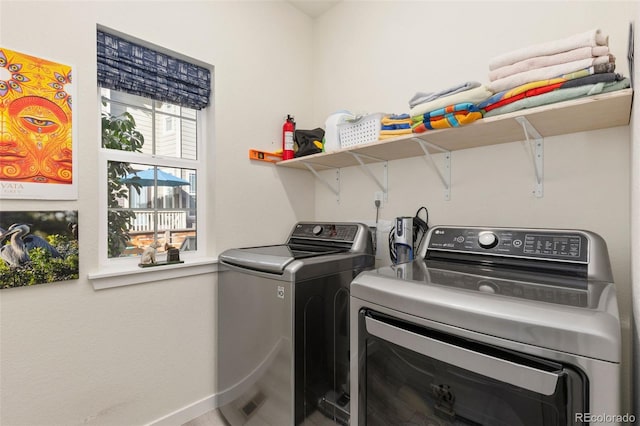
x=106 y=155
x=114 y=272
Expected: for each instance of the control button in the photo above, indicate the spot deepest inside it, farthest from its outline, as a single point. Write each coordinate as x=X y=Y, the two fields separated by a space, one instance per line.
x=517 y=243
x=317 y=230
x=487 y=240
x=487 y=287
x=460 y=239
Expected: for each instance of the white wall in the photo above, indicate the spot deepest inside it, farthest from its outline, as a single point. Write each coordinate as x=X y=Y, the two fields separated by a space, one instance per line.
x=635 y=222
x=70 y=355
x=373 y=56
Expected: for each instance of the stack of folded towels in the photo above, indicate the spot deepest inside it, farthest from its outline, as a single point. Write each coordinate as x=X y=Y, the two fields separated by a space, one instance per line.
x=569 y=68
x=394 y=125
x=452 y=107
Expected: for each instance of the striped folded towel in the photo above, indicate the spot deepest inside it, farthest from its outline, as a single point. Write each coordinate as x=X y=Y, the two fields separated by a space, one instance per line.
x=451 y=116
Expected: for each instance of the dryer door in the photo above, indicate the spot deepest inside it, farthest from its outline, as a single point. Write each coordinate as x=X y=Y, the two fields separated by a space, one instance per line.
x=413 y=374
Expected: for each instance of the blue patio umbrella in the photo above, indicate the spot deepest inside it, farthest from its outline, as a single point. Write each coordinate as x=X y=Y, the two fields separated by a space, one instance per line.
x=146 y=178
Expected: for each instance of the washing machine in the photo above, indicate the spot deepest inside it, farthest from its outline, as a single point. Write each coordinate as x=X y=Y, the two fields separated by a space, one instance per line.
x=283 y=326
x=489 y=326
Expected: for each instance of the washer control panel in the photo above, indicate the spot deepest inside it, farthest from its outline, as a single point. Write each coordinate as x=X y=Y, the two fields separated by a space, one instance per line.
x=325 y=231
x=528 y=243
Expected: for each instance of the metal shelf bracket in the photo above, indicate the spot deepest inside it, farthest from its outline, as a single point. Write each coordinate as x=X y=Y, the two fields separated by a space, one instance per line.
x=335 y=189
x=445 y=173
x=535 y=145
x=384 y=185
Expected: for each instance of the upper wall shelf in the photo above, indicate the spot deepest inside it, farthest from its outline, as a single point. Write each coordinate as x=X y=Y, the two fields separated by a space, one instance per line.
x=591 y=113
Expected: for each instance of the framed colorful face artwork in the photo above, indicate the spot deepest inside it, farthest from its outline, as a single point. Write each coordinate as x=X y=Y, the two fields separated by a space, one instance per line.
x=37 y=138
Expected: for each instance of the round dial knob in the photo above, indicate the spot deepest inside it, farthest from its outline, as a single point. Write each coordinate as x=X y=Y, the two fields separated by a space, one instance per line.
x=317 y=230
x=487 y=240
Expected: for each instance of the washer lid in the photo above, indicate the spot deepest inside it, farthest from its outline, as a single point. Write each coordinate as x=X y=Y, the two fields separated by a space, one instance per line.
x=272 y=259
x=581 y=320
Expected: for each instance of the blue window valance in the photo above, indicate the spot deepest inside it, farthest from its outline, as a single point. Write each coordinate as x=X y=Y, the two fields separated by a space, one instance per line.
x=138 y=70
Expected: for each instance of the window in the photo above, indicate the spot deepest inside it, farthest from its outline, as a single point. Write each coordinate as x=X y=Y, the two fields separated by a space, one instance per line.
x=151 y=190
x=151 y=149
x=168 y=124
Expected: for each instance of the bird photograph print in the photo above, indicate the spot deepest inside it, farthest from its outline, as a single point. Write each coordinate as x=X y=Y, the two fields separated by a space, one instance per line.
x=38 y=247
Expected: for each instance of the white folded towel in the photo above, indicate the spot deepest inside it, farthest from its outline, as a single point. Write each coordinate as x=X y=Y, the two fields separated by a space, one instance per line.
x=590 y=38
x=544 y=73
x=474 y=96
x=422 y=97
x=546 y=61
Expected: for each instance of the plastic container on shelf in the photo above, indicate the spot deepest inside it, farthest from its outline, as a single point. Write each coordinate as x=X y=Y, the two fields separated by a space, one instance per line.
x=331 y=135
x=360 y=130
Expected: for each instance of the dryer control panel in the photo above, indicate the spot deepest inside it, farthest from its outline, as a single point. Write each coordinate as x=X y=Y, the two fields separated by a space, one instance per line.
x=571 y=245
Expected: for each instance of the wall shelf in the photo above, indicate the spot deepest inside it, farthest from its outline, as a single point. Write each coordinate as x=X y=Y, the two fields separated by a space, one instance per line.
x=585 y=114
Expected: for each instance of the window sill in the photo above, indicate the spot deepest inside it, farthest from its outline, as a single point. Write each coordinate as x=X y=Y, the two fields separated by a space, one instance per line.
x=119 y=277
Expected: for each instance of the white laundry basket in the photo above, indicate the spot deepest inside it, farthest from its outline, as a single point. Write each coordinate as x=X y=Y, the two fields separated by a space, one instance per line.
x=363 y=129
x=331 y=134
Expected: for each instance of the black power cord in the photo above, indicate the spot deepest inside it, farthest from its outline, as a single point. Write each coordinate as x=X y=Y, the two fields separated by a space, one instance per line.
x=375 y=234
x=420 y=228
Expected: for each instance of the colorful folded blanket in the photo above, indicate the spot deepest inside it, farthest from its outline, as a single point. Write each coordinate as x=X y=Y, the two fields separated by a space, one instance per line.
x=540 y=87
x=516 y=91
x=560 y=95
x=422 y=97
x=450 y=116
x=461 y=107
x=526 y=94
x=546 y=61
x=474 y=96
x=590 y=38
x=545 y=73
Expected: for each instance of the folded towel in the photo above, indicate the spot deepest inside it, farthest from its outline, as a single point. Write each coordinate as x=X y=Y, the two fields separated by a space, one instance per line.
x=391 y=119
x=397 y=116
x=388 y=134
x=450 y=116
x=422 y=97
x=518 y=90
x=590 y=38
x=580 y=73
x=449 y=109
x=448 y=121
x=526 y=94
x=560 y=95
x=543 y=86
x=384 y=137
x=474 y=96
x=406 y=125
x=607 y=77
x=545 y=61
x=545 y=73
x=396 y=132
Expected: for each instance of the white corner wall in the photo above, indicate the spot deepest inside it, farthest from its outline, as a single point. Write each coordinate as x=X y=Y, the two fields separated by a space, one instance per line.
x=133 y=355
x=373 y=56
x=635 y=221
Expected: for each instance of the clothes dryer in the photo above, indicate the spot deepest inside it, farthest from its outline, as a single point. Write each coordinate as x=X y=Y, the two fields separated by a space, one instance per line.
x=489 y=326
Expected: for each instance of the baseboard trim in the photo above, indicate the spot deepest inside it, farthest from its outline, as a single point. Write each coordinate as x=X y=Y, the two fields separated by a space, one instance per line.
x=188 y=412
